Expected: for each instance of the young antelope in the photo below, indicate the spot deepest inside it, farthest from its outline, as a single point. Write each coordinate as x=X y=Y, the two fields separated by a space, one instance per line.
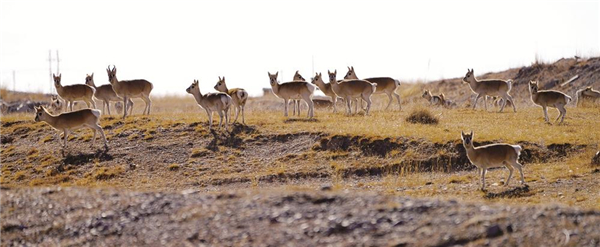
x=385 y=85
x=238 y=95
x=549 y=98
x=106 y=94
x=71 y=93
x=433 y=99
x=493 y=155
x=587 y=94
x=66 y=122
x=293 y=90
x=493 y=87
x=219 y=102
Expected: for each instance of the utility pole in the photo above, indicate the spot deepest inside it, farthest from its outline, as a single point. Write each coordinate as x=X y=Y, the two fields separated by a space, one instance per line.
x=14 y=82
x=57 y=63
x=50 y=70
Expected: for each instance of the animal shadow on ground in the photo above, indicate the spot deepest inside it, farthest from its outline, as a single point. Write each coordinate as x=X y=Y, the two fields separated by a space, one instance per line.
x=307 y=120
x=520 y=191
x=84 y=158
x=229 y=138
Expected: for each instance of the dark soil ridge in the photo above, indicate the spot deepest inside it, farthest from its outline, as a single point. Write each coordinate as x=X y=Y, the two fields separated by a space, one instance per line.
x=80 y=216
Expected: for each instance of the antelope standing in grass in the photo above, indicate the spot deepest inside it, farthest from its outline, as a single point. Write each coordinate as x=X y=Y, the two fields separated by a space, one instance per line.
x=219 y=102
x=497 y=101
x=327 y=89
x=493 y=87
x=437 y=100
x=106 y=94
x=71 y=93
x=587 y=94
x=549 y=98
x=292 y=90
x=66 y=122
x=351 y=89
x=385 y=85
x=493 y=155
x=238 y=95
x=138 y=88
x=296 y=102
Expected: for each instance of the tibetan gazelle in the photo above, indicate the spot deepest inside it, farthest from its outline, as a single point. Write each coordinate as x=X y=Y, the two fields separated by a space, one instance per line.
x=293 y=90
x=587 y=94
x=493 y=155
x=437 y=100
x=385 y=85
x=219 y=102
x=66 y=122
x=71 y=93
x=238 y=95
x=296 y=102
x=105 y=93
x=139 y=88
x=327 y=89
x=350 y=89
x=492 y=87
x=549 y=98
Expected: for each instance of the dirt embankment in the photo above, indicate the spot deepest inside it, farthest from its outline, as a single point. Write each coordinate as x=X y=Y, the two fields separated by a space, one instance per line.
x=78 y=216
x=244 y=155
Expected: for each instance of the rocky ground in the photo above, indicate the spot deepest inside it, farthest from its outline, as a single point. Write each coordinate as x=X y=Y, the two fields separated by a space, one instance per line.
x=82 y=216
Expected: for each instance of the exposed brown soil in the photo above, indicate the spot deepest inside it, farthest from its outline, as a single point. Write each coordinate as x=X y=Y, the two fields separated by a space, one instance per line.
x=79 y=216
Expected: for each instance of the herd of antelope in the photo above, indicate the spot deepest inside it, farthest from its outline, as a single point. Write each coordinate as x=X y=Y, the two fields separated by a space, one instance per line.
x=350 y=89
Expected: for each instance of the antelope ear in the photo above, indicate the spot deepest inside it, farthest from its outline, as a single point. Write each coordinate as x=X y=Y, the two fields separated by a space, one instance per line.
x=328 y=72
x=335 y=71
x=277 y=73
x=92 y=75
x=223 y=79
x=352 y=68
x=471 y=133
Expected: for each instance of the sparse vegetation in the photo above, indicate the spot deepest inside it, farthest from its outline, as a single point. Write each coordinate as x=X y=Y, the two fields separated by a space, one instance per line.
x=422 y=116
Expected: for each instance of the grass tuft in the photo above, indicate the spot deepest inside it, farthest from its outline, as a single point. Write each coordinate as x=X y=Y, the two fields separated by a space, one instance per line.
x=422 y=116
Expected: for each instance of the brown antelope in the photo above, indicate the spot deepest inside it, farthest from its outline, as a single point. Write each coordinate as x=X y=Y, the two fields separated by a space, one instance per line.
x=587 y=94
x=56 y=104
x=66 y=122
x=549 y=98
x=238 y=95
x=219 y=102
x=350 y=89
x=106 y=94
x=296 y=102
x=138 y=88
x=385 y=85
x=493 y=87
x=292 y=90
x=437 y=100
x=327 y=89
x=497 y=101
x=493 y=155
x=71 y=93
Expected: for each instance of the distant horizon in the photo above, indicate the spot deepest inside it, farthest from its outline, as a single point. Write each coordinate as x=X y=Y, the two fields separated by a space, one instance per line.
x=409 y=41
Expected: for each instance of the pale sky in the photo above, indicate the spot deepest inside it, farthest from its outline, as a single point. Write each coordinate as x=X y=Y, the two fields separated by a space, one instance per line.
x=171 y=43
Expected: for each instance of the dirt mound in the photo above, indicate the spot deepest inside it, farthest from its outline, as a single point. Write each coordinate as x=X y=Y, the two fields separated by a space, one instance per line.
x=76 y=216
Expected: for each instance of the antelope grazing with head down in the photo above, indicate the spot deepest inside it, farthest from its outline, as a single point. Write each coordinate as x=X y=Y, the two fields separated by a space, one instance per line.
x=105 y=93
x=493 y=155
x=219 y=102
x=492 y=87
x=292 y=90
x=138 y=88
x=385 y=85
x=71 y=93
x=549 y=98
x=238 y=95
x=587 y=94
x=69 y=121
x=350 y=89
